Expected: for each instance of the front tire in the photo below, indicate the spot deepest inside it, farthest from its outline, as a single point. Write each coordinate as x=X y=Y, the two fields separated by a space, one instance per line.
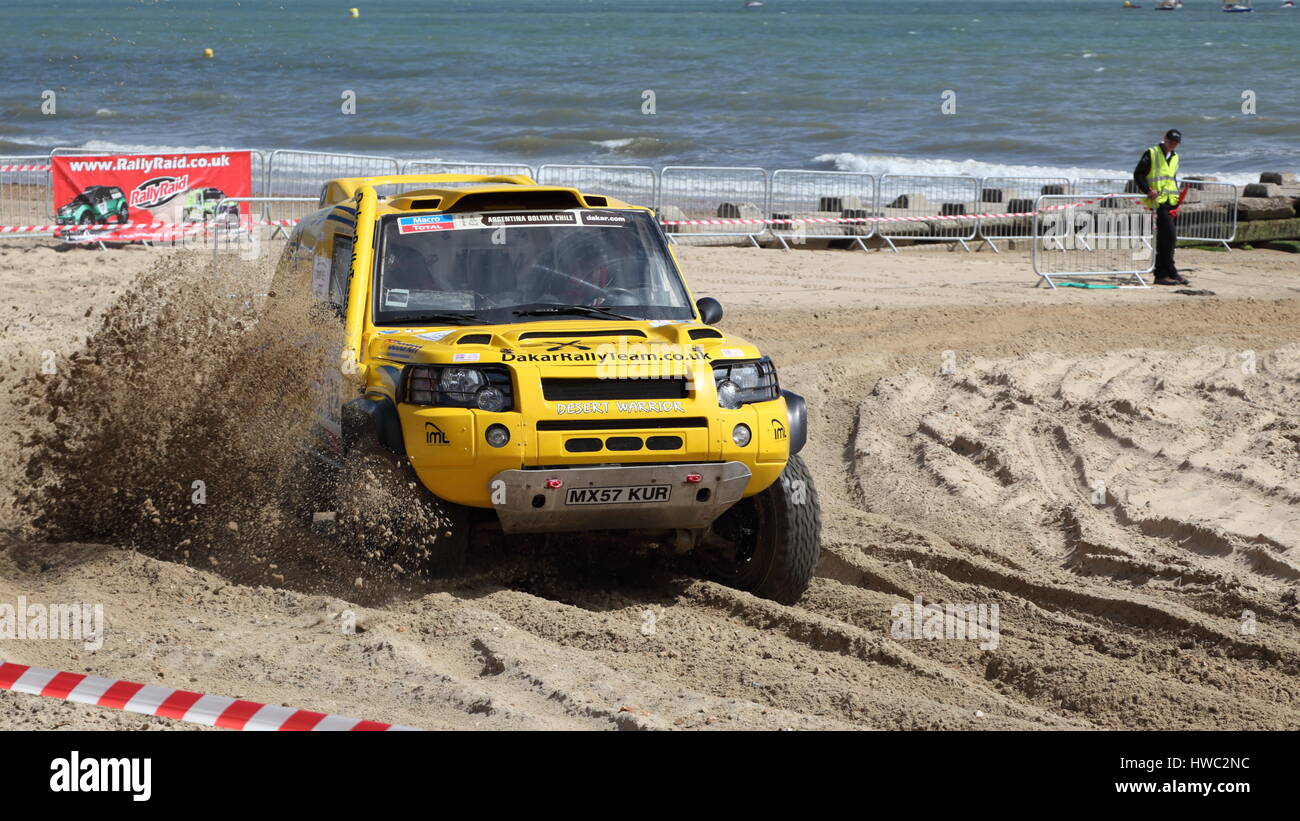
x=768 y=543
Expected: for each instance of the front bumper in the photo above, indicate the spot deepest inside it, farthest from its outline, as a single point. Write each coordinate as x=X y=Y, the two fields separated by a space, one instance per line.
x=601 y=498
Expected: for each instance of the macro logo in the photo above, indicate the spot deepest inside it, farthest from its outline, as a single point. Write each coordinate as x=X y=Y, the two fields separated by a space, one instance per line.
x=154 y=192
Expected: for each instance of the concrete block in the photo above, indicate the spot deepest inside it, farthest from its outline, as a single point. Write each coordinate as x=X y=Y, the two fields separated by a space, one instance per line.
x=1279 y=177
x=1262 y=189
x=1250 y=209
x=910 y=201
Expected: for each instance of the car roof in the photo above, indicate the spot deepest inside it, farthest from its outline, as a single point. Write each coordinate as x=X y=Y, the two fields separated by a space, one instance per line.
x=441 y=192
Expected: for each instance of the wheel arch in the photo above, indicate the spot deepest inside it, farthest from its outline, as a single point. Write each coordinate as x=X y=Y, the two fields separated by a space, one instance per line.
x=796 y=408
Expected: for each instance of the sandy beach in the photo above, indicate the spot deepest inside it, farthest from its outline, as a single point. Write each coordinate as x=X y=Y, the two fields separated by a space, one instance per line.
x=1119 y=471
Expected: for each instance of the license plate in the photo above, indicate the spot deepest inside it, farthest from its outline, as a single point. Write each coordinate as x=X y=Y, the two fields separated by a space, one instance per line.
x=628 y=494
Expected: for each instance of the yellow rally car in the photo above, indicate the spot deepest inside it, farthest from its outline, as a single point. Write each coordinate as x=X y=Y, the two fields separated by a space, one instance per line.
x=532 y=355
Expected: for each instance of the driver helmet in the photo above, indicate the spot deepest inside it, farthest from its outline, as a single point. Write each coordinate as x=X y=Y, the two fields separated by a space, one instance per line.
x=405 y=268
x=590 y=263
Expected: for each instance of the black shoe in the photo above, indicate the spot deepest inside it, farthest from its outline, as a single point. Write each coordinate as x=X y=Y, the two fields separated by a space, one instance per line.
x=1169 y=281
x=1182 y=280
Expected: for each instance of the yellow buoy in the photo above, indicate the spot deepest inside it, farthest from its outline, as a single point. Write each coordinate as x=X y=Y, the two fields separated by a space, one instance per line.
x=207 y=52
x=354 y=13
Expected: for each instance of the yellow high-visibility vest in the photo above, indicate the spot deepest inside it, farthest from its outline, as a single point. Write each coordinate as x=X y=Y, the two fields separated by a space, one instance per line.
x=1162 y=178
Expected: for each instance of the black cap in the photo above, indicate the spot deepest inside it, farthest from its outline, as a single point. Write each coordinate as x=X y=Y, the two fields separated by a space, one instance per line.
x=1174 y=134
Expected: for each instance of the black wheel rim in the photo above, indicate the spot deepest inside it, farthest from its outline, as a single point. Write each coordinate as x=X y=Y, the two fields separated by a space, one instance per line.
x=740 y=527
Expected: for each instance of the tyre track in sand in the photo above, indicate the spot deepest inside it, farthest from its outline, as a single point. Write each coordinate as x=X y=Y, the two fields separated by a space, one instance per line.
x=969 y=487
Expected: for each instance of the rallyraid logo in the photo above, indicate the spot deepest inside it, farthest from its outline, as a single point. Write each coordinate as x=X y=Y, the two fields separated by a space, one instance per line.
x=154 y=192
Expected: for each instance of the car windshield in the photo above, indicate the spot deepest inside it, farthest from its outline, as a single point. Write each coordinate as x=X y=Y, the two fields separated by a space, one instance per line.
x=518 y=266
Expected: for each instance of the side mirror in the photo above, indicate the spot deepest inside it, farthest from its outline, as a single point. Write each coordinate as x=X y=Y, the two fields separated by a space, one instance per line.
x=710 y=310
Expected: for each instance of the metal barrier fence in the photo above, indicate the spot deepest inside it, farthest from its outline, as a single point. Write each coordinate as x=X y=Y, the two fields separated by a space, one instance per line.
x=1208 y=213
x=282 y=180
x=907 y=195
x=25 y=195
x=634 y=184
x=291 y=173
x=1013 y=195
x=1099 y=186
x=1075 y=239
x=712 y=192
x=448 y=167
x=1095 y=186
x=813 y=194
x=228 y=230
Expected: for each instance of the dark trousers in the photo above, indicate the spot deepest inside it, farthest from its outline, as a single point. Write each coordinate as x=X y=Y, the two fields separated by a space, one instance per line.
x=1166 y=239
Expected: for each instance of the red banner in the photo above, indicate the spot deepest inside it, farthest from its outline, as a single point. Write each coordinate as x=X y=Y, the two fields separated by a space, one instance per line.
x=93 y=193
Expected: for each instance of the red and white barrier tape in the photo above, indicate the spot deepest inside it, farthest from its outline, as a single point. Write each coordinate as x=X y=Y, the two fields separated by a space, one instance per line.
x=792 y=220
x=32 y=229
x=182 y=705
x=23 y=229
x=191 y=226
x=4 y=168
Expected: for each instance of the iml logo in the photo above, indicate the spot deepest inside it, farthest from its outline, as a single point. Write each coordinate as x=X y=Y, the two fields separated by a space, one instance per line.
x=128 y=775
x=433 y=435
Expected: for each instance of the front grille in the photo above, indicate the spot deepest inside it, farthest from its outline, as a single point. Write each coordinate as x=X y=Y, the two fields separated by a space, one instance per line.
x=621 y=424
x=663 y=442
x=591 y=444
x=640 y=464
x=586 y=444
x=623 y=443
x=582 y=390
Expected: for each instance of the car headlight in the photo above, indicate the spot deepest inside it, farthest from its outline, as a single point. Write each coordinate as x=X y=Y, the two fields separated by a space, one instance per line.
x=460 y=384
x=486 y=388
x=740 y=383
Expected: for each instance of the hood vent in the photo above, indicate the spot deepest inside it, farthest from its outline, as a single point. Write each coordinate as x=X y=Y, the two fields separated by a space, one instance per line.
x=544 y=199
x=579 y=334
x=705 y=333
x=475 y=339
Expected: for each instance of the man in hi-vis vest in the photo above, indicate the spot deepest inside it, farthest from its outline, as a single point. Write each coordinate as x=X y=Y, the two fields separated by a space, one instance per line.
x=1157 y=175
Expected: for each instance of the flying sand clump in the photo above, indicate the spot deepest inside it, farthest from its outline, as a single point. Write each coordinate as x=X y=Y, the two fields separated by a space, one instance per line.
x=181 y=416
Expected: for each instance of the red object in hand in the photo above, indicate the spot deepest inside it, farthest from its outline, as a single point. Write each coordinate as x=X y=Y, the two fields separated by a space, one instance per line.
x=1182 y=195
